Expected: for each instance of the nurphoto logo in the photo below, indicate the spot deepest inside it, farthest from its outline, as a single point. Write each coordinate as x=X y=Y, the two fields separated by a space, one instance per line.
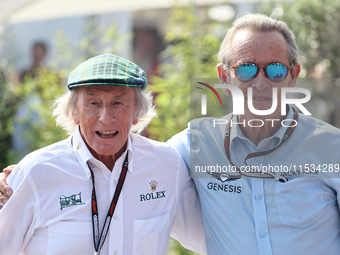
x=204 y=97
x=238 y=103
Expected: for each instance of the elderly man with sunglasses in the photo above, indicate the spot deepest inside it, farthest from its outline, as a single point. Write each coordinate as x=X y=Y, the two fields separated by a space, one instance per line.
x=250 y=204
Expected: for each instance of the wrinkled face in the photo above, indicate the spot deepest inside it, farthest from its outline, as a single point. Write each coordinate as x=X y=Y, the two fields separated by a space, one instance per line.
x=105 y=115
x=261 y=48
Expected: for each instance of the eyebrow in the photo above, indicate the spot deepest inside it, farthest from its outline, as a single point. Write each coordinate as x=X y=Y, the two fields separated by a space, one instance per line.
x=87 y=93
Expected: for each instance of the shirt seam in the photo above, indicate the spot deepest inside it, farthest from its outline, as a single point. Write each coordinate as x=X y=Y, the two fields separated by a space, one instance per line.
x=37 y=199
x=177 y=181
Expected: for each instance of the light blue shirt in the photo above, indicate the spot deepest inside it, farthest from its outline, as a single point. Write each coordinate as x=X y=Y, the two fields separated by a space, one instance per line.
x=265 y=216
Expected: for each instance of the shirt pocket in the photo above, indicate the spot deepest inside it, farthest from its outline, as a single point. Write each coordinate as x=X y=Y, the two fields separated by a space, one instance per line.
x=300 y=201
x=69 y=238
x=151 y=236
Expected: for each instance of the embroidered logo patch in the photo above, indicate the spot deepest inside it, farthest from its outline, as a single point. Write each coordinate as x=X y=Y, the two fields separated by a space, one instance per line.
x=70 y=201
x=78 y=146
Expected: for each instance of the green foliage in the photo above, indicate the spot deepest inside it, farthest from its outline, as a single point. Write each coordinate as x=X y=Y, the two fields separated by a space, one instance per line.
x=192 y=50
x=35 y=96
x=7 y=106
x=175 y=248
x=316 y=25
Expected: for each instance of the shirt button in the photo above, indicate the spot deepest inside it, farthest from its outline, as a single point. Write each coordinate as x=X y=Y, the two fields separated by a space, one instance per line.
x=258 y=197
x=115 y=253
x=115 y=217
x=257 y=158
x=115 y=182
x=262 y=234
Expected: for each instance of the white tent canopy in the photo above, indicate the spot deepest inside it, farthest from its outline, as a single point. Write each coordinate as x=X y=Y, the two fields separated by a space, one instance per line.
x=18 y=11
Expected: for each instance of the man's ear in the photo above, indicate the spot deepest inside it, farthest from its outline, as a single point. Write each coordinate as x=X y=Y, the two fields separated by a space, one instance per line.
x=221 y=74
x=294 y=75
x=75 y=119
x=223 y=78
x=135 y=121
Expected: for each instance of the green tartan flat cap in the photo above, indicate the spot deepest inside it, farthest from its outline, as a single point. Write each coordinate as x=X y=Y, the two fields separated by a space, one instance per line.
x=107 y=70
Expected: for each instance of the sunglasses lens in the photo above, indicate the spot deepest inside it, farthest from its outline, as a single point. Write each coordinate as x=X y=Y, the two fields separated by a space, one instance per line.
x=277 y=71
x=246 y=71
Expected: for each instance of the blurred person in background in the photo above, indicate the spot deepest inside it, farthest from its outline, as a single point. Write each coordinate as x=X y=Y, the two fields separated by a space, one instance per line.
x=30 y=118
x=38 y=56
x=147 y=46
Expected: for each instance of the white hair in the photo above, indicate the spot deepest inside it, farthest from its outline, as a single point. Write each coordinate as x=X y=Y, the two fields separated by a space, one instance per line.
x=65 y=107
x=258 y=23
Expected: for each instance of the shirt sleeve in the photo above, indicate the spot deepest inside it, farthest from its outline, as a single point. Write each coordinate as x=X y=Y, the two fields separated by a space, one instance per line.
x=334 y=177
x=187 y=226
x=18 y=216
x=181 y=142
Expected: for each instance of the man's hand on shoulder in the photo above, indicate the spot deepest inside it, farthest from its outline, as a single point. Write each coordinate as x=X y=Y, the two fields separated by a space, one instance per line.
x=5 y=190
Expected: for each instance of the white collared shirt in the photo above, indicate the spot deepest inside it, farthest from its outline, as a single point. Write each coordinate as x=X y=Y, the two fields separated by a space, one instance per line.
x=50 y=210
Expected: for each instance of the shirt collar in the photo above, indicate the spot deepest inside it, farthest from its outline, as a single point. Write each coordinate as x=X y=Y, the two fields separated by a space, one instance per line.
x=237 y=133
x=83 y=154
x=282 y=130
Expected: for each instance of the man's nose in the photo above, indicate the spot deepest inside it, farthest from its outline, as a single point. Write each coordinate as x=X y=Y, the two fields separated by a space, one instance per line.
x=261 y=82
x=107 y=115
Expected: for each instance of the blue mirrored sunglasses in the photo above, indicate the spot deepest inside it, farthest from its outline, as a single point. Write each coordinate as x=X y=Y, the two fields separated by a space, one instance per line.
x=276 y=72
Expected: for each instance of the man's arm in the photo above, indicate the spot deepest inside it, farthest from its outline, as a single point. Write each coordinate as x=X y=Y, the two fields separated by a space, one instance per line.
x=187 y=226
x=181 y=142
x=5 y=190
x=19 y=216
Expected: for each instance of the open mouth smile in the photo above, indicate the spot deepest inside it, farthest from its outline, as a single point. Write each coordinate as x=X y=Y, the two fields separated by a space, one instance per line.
x=106 y=134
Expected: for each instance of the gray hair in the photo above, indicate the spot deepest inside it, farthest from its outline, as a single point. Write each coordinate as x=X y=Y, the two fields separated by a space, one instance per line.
x=65 y=106
x=259 y=23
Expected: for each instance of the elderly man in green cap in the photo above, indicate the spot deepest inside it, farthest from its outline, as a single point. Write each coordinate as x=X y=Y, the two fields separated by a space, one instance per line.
x=104 y=189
